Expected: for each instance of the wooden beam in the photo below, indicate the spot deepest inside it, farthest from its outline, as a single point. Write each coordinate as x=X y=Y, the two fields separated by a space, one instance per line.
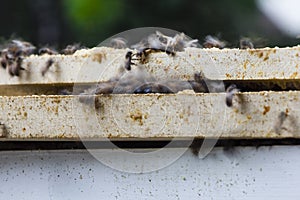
x=152 y=116
x=101 y=63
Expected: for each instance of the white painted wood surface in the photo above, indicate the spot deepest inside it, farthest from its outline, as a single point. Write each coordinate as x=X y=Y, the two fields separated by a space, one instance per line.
x=101 y=63
x=250 y=173
x=254 y=115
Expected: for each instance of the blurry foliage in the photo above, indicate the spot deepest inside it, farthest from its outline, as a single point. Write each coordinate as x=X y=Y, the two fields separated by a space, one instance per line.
x=92 y=21
x=90 y=18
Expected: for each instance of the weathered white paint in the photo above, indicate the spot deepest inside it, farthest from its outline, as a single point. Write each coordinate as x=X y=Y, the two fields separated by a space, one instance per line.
x=100 y=64
x=248 y=173
x=253 y=115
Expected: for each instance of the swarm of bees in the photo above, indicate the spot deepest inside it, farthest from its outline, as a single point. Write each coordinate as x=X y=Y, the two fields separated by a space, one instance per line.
x=127 y=80
x=14 y=52
x=139 y=81
x=13 y=55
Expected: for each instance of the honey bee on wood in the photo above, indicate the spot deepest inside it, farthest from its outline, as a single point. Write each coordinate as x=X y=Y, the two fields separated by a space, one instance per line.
x=138 y=81
x=143 y=54
x=159 y=42
x=211 y=41
x=71 y=49
x=118 y=43
x=124 y=82
x=246 y=43
x=286 y=122
x=281 y=118
x=87 y=96
x=13 y=63
x=15 y=67
x=153 y=88
x=173 y=86
x=47 y=50
x=22 y=47
x=130 y=80
x=124 y=67
x=64 y=92
x=177 y=43
x=230 y=92
x=180 y=41
x=199 y=84
x=144 y=48
x=13 y=54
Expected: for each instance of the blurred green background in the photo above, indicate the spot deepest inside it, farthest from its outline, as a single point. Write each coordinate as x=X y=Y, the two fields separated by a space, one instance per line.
x=60 y=22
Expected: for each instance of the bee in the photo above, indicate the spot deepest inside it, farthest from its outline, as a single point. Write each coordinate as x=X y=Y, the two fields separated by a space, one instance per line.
x=87 y=97
x=177 y=43
x=180 y=41
x=13 y=55
x=199 y=83
x=118 y=43
x=64 y=92
x=211 y=41
x=141 y=82
x=230 y=92
x=143 y=54
x=124 y=82
x=154 y=43
x=124 y=67
x=195 y=147
x=71 y=49
x=14 y=67
x=105 y=88
x=159 y=42
x=25 y=48
x=3 y=130
x=14 y=63
x=290 y=122
x=281 y=118
x=49 y=63
x=246 y=43
x=171 y=86
x=131 y=80
x=47 y=50
x=152 y=88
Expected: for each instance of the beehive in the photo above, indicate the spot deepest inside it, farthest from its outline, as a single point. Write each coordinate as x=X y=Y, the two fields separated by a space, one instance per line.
x=32 y=109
